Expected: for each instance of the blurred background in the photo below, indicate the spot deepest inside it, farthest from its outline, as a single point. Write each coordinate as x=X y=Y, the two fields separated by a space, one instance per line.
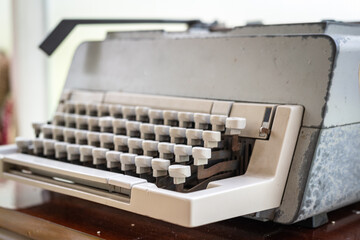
x=37 y=80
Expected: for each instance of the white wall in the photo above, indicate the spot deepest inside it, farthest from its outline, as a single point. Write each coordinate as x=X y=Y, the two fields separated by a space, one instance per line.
x=5 y=26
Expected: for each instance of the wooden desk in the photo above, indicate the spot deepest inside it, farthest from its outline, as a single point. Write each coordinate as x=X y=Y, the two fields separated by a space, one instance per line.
x=66 y=217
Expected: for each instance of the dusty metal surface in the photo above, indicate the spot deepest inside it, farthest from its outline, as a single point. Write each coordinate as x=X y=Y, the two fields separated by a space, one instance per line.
x=335 y=172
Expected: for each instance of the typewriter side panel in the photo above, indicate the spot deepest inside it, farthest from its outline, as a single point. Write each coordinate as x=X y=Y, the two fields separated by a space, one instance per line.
x=279 y=69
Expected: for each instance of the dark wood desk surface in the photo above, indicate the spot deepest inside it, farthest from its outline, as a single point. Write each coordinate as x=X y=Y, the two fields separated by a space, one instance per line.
x=110 y=223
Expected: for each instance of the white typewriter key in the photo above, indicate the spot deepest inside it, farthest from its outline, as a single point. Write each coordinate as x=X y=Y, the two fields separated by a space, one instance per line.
x=162 y=133
x=59 y=119
x=182 y=153
x=127 y=161
x=86 y=153
x=115 y=110
x=135 y=145
x=129 y=112
x=49 y=147
x=103 y=110
x=133 y=129
x=160 y=167
x=202 y=121
x=121 y=143
x=58 y=133
x=107 y=140
x=177 y=135
x=99 y=155
x=38 y=146
x=156 y=116
x=234 y=125
x=69 y=135
x=93 y=124
x=218 y=122
x=93 y=139
x=194 y=137
x=119 y=126
x=179 y=173
x=150 y=148
x=113 y=159
x=23 y=144
x=70 y=120
x=82 y=122
x=47 y=131
x=186 y=119
x=147 y=131
x=201 y=155
x=106 y=124
x=81 y=137
x=143 y=164
x=73 y=152
x=37 y=126
x=91 y=109
x=211 y=139
x=70 y=107
x=61 y=150
x=142 y=114
x=166 y=150
x=80 y=108
x=171 y=118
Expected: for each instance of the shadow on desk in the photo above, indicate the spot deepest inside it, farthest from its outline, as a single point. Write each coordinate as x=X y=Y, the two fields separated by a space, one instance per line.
x=69 y=217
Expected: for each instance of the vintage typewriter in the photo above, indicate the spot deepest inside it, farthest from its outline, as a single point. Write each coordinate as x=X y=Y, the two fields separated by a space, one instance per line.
x=261 y=121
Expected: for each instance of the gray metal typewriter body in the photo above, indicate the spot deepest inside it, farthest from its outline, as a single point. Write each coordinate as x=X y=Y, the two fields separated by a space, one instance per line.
x=296 y=85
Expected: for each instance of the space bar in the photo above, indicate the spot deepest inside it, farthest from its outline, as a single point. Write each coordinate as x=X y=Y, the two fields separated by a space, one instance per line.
x=67 y=170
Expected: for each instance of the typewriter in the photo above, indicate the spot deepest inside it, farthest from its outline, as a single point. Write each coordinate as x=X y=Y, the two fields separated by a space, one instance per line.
x=261 y=121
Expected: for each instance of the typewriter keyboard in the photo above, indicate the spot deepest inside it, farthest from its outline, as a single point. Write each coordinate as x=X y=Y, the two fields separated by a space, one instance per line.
x=175 y=149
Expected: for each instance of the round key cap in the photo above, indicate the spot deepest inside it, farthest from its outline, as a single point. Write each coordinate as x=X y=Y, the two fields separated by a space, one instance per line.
x=133 y=129
x=194 y=137
x=201 y=155
x=59 y=119
x=182 y=153
x=37 y=126
x=70 y=120
x=129 y=112
x=93 y=124
x=143 y=164
x=162 y=133
x=127 y=161
x=218 y=122
x=99 y=155
x=103 y=109
x=38 y=146
x=135 y=145
x=61 y=150
x=106 y=124
x=119 y=126
x=23 y=144
x=160 y=167
x=81 y=137
x=73 y=152
x=86 y=153
x=113 y=159
x=150 y=148
x=121 y=143
x=93 y=139
x=179 y=173
x=107 y=140
x=58 y=133
x=47 y=130
x=80 y=108
x=69 y=135
x=166 y=150
x=177 y=135
x=70 y=107
x=142 y=114
x=186 y=119
x=115 y=111
x=211 y=139
x=234 y=125
x=49 y=147
x=147 y=131
x=171 y=118
x=82 y=122
x=91 y=109
x=202 y=121
x=156 y=116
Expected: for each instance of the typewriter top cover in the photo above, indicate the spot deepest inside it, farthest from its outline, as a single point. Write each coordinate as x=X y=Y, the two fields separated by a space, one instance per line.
x=195 y=127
